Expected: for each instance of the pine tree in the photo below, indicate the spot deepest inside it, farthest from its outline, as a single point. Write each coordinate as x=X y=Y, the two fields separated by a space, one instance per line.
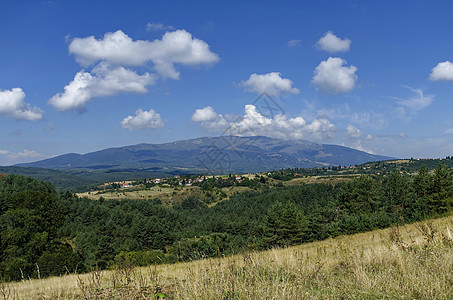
x=285 y=225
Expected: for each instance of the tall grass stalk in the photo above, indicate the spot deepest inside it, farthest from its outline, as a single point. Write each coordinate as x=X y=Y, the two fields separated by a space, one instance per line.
x=408 y=262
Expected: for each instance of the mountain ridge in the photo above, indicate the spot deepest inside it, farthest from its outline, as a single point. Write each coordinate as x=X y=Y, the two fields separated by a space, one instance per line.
x=213 y=155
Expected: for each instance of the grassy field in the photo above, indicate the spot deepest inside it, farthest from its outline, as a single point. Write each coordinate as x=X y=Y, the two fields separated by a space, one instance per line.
x=409 y=262
x=169 y=194
x=166 y=194
x=332 y=179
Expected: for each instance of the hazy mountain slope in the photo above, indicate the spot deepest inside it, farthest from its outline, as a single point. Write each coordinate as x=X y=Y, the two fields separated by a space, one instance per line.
x=213 y=154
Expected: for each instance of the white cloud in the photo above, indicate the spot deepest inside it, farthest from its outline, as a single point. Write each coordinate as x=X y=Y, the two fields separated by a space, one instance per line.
x=209 y=119
x=271 y=83
x=12 y=105
x=113 y=58
x=27 y=154
x=331 y=43
x=143 y=119
x=294 y=43
x=344 y=112
x=103 y=81
x=280 y=126
x=418 y=102
x=353 y=139
x=118 y=48
x=449 y=131
x=24 y=155
x=158 y=27
x=443 y=71
x=353 y=132
x=332 y=77
x=358 y=145
x=204 y=114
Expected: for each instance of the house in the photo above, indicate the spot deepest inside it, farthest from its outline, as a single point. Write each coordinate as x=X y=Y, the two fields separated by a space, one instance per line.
x=126 y=185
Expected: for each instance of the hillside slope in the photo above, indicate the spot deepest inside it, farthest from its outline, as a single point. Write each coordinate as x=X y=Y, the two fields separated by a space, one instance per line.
x=410 y=262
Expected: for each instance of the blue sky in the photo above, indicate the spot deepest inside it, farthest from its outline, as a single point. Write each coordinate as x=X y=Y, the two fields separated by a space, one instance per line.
x=87 y=75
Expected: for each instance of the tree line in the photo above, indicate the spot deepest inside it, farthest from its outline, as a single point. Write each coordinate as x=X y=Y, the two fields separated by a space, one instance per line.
x=47 y=232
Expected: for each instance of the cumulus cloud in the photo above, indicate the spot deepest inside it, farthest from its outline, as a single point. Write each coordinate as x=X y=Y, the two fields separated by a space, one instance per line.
x=443 y=71
x=158 y=27
x=113 y=58
x=353 y=139
x=204 y=114
x=271 y=83
x=143 y=119
x=332 y=76
x=331 y=43
x=12 y=105
x=418 y=102
x=254 y=123
x=353 y=132
x=104 y=80
x=209 y=119
x=294 y=43
x=117 y=47
x=26 y=155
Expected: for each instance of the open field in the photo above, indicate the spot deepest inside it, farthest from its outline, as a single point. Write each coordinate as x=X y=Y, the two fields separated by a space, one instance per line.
x=165 y=193
x=410 y=262
x=333 y=179
x=161 y=192
x=169 y=194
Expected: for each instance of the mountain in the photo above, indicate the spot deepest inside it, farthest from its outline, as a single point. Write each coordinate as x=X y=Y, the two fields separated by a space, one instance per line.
x=212 y=155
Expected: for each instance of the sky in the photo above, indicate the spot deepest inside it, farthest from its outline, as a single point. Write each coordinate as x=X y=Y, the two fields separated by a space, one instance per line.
x=77 y=77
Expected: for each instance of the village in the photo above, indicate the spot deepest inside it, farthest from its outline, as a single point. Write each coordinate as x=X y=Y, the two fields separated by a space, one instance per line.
x=181 y=181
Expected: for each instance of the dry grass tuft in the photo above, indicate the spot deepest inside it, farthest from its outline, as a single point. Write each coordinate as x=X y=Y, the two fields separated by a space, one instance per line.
x=408 y=262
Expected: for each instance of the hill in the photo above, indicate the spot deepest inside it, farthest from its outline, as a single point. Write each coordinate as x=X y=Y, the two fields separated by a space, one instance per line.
x=212 y=155
x=79 y=179
x=401 y=262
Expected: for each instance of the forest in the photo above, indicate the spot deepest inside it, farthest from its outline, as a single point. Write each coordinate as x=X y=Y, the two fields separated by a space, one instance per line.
x=47 y=232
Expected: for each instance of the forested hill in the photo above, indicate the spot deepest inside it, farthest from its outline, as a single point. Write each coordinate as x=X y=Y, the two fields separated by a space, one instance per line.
x=79 y=180
x=44 y=232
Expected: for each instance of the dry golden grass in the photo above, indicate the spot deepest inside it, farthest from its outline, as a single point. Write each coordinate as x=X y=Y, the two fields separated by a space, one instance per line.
x=154 y=192
x=399 y=161
x=409 y=262
x=333 y=179
x=165 y=193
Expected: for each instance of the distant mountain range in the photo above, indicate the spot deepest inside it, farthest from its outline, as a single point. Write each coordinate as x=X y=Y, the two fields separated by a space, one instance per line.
x=211 y=155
